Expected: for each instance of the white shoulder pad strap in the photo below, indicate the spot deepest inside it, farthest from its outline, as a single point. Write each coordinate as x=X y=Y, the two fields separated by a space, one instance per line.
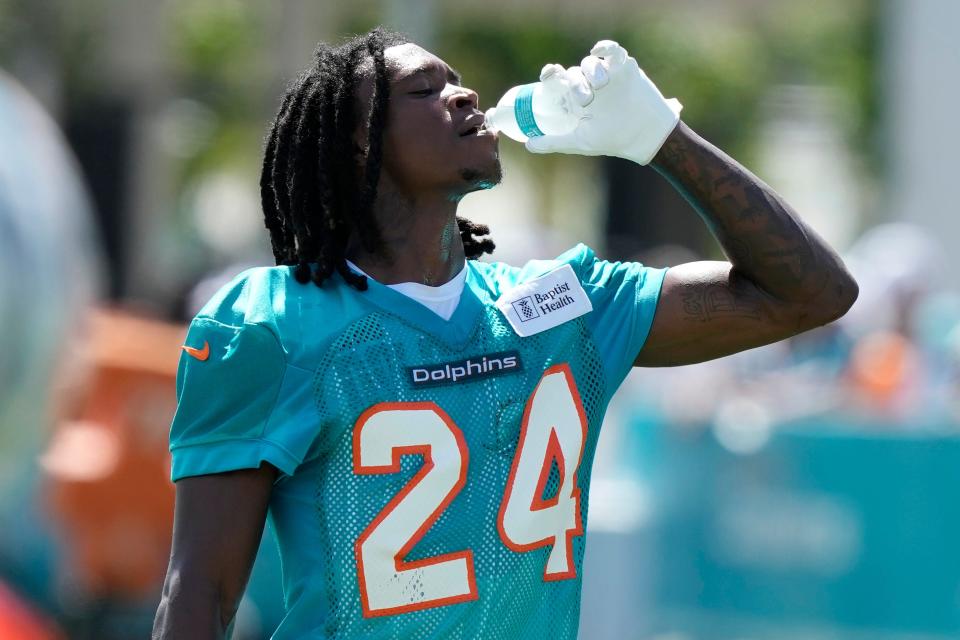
x=545 y=302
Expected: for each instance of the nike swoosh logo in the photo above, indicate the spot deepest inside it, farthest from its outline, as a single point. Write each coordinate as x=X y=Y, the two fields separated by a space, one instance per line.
x=199 y=354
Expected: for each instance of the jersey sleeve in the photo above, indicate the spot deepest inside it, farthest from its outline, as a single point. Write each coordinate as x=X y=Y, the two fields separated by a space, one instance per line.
x=624 y=296
x=239 y=402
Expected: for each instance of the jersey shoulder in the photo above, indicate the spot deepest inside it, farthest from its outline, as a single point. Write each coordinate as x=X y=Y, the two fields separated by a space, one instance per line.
x=295 y=313
x=498 y=277
x=245 y=380
x=623 y=298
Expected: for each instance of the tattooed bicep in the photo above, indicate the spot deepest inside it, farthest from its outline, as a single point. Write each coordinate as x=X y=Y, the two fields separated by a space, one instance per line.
x=708 y=310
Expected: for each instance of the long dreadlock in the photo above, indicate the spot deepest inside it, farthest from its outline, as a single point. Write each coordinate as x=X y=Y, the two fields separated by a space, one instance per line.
x=312 y=199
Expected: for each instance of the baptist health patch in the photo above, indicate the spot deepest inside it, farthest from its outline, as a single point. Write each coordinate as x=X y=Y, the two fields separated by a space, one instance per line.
x=545 y=302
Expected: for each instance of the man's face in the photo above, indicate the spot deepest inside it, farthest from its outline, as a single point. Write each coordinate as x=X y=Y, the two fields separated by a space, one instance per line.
x=431 y=141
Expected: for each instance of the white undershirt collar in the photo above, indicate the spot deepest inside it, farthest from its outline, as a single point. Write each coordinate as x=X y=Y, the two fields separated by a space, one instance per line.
x=442 y=299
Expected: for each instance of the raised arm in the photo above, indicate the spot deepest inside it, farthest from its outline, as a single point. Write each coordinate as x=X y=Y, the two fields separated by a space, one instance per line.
x=217 y=528
x=781 y=278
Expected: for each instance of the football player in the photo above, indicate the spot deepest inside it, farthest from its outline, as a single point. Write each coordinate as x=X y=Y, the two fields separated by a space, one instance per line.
x=420 y=425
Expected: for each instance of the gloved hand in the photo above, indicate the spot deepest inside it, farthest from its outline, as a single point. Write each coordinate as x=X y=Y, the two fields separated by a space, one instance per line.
x=622 y=112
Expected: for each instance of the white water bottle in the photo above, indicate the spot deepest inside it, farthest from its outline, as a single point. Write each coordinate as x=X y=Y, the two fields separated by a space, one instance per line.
x=536 y=109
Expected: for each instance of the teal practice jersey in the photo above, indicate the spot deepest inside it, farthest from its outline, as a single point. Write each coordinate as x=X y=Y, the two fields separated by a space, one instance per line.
x=433 y=473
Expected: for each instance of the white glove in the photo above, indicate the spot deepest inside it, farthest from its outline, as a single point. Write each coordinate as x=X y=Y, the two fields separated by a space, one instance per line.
x=622 y=113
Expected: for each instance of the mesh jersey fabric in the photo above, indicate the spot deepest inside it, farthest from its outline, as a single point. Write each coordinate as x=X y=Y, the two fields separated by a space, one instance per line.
x=292 y=368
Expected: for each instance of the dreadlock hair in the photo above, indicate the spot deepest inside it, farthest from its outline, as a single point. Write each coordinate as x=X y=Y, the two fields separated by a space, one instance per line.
x=312 y=199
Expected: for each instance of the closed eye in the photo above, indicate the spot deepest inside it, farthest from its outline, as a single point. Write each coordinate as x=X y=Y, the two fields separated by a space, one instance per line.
x=422 y=92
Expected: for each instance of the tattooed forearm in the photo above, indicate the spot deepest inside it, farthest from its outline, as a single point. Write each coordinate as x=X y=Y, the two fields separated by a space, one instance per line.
x=762 y=236
x=716 y=301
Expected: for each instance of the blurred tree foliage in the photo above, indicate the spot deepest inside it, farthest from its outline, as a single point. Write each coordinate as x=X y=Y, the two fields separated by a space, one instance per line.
x=721 y=60
x=716 y=84
x=721 y=63
x=59 y=37
x=823 y=43
x=721 y=70
x=217 y=51
x=8 y=28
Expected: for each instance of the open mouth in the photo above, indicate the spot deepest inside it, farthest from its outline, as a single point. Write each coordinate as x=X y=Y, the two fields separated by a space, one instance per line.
x=472 y=131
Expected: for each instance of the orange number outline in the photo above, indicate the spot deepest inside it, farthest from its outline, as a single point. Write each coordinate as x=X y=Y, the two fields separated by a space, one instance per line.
x=428 y=465
x=538 y=504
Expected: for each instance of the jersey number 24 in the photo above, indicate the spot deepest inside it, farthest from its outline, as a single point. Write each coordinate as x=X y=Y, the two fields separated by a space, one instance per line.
x=553 y=430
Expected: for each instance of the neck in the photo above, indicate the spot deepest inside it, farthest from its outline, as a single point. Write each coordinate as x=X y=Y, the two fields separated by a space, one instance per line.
x=421 y=240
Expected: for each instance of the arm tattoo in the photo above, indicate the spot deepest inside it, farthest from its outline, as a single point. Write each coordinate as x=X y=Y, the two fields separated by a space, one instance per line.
x=762 y=236
x=703 y=304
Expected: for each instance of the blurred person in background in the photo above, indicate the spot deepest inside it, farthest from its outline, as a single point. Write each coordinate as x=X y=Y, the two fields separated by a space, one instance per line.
x=302 y=399
x=903 y=368
x=48 y=281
